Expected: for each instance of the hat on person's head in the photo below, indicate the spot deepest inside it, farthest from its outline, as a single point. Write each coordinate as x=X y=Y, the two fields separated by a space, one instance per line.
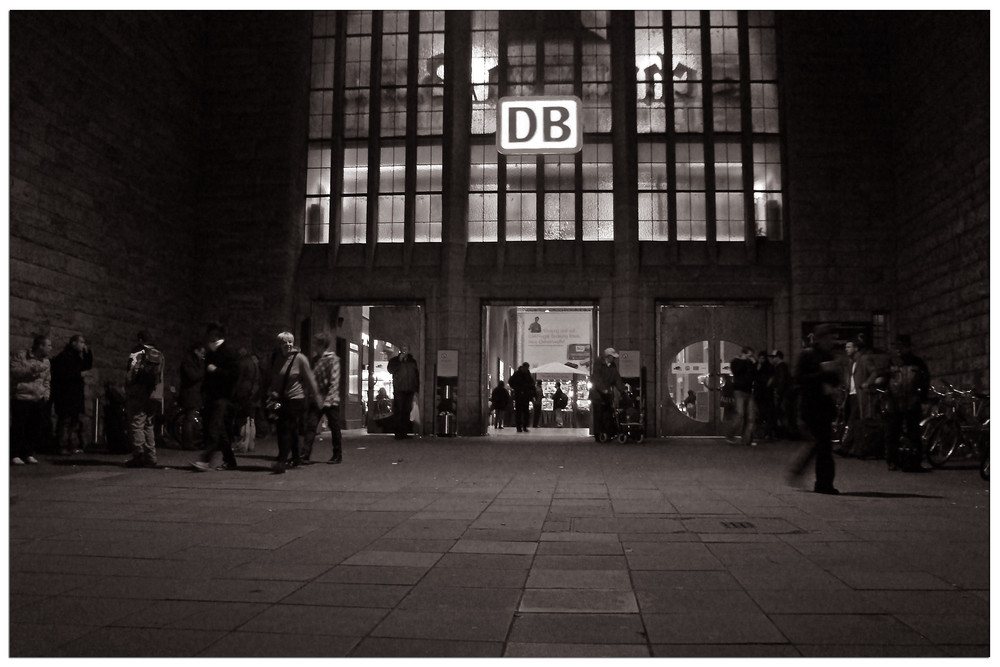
x=777 y=353
x=903 y=340
x=610 y=352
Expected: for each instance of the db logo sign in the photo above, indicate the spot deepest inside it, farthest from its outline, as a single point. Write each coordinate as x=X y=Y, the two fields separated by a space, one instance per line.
x=539 y=125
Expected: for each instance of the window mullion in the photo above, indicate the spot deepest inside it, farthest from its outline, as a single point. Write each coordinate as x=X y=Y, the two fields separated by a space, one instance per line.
x=746 y=134
x=708 y=136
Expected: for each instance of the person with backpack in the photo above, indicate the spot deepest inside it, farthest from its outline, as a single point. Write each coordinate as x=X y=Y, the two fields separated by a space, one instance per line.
x=559 y=403
x=143 y=391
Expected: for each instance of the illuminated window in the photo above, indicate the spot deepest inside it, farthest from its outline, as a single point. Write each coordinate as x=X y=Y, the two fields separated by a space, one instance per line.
x=734 y=82
x=485 y=60
x=483 y=193
x=598 y=191
x=522 y=215
x=404 y=135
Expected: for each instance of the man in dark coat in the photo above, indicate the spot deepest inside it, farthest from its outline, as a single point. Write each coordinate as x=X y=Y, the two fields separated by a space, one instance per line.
x=219 y=392
x=818 y=376
x=405 y=384
x=67 y=392
x=523 y=386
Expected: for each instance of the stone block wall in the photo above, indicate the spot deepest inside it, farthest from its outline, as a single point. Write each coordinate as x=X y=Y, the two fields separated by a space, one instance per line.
x=105 y=120
x=940 y=132
x=836 y=113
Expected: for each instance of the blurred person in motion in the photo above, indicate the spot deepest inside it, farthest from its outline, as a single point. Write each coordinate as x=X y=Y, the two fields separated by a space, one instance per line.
x=68 y=368
x=218 y=393
x=818 y=377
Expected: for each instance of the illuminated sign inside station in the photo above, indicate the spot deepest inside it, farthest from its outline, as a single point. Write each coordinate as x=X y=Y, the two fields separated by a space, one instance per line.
x=539 y=125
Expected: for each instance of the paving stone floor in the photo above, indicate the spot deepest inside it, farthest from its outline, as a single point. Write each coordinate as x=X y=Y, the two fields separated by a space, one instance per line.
x=520 y=545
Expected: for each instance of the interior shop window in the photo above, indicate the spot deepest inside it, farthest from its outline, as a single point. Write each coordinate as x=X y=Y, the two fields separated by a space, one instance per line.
x=650 y=67
x=427 y=216
x=763 y=72
x=392 y=193
x=598 y=191
x=521 y=202
x=394 y=65
x=560 y=198
x=767 y=188
x=725 y=71
x=430 y=75
x=318 y=165
x=691 y=196
x=596 y=72
x=687 y=71
x=730 y=214
x=485 y=60
x=654 y=223
x=354 y=203
x=483 y=193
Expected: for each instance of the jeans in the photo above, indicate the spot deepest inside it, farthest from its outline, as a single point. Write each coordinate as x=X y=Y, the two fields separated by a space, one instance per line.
x=218 y=420
x=313 y=418
x=141 y=414
x=291 y=419
x=69 y=427
x=29 y=426
x=746 y=415
x=402 y=405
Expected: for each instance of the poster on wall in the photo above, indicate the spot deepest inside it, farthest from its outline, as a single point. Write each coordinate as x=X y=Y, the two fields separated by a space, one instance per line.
x=560 y=336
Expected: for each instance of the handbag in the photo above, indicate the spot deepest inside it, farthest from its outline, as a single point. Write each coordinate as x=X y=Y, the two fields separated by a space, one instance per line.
x=272 y=405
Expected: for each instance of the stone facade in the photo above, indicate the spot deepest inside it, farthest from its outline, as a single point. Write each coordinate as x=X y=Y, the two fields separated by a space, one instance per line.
x=157 y=180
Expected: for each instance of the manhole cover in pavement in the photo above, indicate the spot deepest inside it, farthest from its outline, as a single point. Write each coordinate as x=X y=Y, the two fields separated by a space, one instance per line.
x=723 y=525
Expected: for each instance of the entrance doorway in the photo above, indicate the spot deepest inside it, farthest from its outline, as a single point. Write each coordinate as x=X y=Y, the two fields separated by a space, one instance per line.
x=696 y=344
x=557 y=342
x=367 y=336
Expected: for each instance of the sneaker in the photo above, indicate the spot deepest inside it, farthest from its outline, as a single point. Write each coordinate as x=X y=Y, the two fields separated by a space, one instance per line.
x=828 y=490
x=31 y=459
x=226 y=466
x=335 y=460
x=17 y=461
x=199 y=466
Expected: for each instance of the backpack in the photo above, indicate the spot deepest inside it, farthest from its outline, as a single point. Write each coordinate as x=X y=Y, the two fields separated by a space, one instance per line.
x=148 y=367
x=560 y=401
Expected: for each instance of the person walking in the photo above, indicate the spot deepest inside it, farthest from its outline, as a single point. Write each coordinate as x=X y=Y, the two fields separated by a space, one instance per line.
x=326 y=371
x=68 y=368
x=291 y=380
x=818 y=376
x=604 y=381
x=744 y=370
x=499 y=400
x=143 y=382
x=405 y=384
x=523 y=386
x=218 y=394
x=31 y=377
x=559 y=403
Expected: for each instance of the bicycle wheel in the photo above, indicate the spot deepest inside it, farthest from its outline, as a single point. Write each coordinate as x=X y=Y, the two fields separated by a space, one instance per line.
x=942 y=441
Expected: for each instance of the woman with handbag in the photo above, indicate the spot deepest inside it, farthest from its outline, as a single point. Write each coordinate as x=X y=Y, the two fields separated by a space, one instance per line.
x=290 y=383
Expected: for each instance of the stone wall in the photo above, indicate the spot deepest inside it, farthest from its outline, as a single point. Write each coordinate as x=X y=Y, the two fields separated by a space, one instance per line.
x=105 y=121
x=941 y=165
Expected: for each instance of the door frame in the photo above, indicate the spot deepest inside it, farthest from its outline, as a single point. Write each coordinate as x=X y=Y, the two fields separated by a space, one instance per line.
x=662 y=396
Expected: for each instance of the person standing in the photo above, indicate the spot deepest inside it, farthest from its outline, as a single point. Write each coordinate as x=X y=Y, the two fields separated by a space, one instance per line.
x=405 y=384
x=499 y=400
x=763 y=396
x=818 y=377
x=559 y=403
x=31 y=377
x=143 y=383
x=604 y=381
x=189 y=399
x=326 y=371
x=909 y=382
x=784 y=406
x=523 y=386
x=536 y=404
x=68 y=368
x=743 y=370
x=291 y=379
x=218 y=394
x=248 y=387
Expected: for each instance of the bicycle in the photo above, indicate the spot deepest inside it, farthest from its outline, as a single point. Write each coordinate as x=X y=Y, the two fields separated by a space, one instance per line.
x=960 y=429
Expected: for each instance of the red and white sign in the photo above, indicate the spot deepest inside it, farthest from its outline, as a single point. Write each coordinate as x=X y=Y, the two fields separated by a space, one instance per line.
x=539 y=125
